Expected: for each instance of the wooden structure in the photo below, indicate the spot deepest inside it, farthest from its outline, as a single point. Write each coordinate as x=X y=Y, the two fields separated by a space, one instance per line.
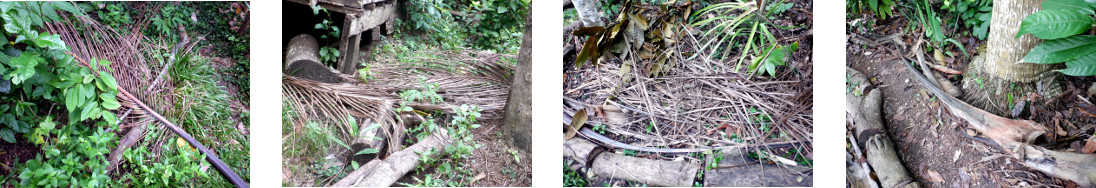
x=361 y=16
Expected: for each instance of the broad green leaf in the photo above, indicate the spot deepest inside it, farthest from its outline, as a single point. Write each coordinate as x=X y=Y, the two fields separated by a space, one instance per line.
x=86 y=111
x=24 y=66
x=52 y=41
x=110 y=118
x=109 y=102
x=367 y=151
x=1061 y=50
x=1068 y=5
x=7 y=135
x=1082 y=66
x=108 y=80
x=67 y=7
x=70 y=99
x=1055 y=24
x=47 y=124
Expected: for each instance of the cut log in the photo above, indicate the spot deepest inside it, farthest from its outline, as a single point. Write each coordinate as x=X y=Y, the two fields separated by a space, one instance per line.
x=647 y=171
x=383 y=173
x=302 y=61
x=738 y=170
x=866 y=114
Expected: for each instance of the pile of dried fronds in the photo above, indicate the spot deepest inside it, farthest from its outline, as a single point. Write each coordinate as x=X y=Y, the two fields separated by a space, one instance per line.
x=137 y=65
x=659 y=90
x=463 y=77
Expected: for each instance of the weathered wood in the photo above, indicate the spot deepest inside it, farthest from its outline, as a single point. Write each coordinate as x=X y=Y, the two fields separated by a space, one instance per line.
x=738 y=170
x=302 y=60
x=136 y=133
x=866 y=113
x=368 y=138
x=383 y=173
x=348 y=46
x=647 y=171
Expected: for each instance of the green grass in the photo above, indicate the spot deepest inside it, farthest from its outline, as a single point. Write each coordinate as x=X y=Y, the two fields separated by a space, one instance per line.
x=207 y=114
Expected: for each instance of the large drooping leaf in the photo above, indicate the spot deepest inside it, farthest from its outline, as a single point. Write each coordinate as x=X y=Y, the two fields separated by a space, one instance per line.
x=1068 y=5
x=108 y=80
x=1055 y=24
x=1082 y=66
x=24 y=66
x=1061 y=50
x=7 y=135
x=52 y=41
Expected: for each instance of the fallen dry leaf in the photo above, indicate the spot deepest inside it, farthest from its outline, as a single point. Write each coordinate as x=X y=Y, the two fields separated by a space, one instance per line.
x=576 y=123
x=935 y=176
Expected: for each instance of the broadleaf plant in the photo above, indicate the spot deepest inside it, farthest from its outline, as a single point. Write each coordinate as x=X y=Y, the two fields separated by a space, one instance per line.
x=54 y=102
x=1061 y=23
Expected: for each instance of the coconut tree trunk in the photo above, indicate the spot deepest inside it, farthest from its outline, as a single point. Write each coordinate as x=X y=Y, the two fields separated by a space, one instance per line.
x=587 y=12
x=518 y=113
x=992 y=76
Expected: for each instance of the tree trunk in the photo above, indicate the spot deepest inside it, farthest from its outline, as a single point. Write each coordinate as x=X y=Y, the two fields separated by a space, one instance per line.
x=999 y=72
x=587 y=12
x=518 y=113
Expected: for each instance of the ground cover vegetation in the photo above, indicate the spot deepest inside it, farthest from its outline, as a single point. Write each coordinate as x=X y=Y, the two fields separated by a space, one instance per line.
x=61 y=118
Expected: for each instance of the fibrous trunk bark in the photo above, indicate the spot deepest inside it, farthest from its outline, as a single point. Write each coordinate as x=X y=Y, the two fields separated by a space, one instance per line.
x=1000 y=71
x=518 y=114
x=587 y=12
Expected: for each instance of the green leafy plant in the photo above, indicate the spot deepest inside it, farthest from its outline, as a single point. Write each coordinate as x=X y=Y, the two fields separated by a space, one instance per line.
x=775 y=56
x=115 y=15
x=329 y=55
x=972 y=14
x=1061 y=22
x=881 y=8
x=572 y=178
x=933 y=29
x=738 y=21
x=170 y=18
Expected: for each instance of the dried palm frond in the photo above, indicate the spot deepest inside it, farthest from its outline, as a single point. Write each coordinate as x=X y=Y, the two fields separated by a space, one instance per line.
x=88 y=38
x=463 y=77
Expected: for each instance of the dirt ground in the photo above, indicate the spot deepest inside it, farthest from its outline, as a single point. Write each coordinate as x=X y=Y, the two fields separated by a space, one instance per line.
x=932 y=143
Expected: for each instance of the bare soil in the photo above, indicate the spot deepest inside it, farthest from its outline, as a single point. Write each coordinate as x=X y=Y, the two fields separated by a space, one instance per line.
x=933 y=144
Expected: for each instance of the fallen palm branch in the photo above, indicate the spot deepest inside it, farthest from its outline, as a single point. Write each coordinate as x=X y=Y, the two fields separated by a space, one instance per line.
x=1016 y=137
x=217 y=163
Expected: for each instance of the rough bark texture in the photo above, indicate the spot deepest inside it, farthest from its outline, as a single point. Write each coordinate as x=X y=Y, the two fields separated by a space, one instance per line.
x=517 y=116
x=1004 y=51
x=648 y=171
x=866 y=113
x=991 y=77
x=587 y=12
x=383 y=173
